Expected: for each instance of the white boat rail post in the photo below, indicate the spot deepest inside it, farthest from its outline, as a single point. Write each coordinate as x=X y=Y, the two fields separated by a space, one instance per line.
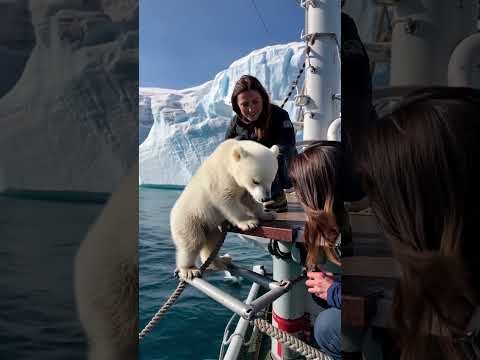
x=269 y=297
x=238 y=336
x=323 y=71
x=249 y=310
x=288 y=311
x=227 y=300
x=464 y=65
x=334 y=132
x=322 y=86
x=253 y=276
x=421 y=45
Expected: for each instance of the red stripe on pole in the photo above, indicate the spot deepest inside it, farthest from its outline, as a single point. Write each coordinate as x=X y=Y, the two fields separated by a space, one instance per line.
x=290 y=325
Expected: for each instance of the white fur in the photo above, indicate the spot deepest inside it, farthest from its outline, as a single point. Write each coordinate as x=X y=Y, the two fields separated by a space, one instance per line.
x=106 y=277
x=223 y=189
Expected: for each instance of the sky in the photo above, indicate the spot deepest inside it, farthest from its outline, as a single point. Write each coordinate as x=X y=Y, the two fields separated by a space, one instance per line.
x=184 y=43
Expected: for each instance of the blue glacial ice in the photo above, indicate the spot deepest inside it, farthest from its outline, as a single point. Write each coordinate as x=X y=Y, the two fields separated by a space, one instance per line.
x=179 y=128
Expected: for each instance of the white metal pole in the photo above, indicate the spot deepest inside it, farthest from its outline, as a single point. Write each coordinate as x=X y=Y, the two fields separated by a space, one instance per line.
x=290 y=307
x=425 y=33
x=323 y=73
x=322 y=86
x=464 y=65
x=242 y=326
x=220 y=296
x=334 y=132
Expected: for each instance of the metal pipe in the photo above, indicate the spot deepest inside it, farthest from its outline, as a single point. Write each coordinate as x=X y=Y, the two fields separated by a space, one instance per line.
x=238 y=336
x=262 y=280
x=421 y=46
x=237 y=306
x=334 y=130
x=290 y=306
x=464 y=63
x=322 y=78
x=268 y=298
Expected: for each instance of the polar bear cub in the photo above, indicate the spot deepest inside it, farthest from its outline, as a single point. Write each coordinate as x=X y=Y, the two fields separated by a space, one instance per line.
x=230 y=185
x=106 y=277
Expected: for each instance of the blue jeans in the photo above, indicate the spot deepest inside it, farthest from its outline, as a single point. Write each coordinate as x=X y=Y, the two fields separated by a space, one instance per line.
x=282 y=180
x=328 y=332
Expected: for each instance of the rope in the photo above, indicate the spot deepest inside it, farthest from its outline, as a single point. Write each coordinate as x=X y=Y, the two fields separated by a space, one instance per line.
x=292 y=342
x=226 y=338
x=261 y=18
x=163 y=310
x=274 y=250
x=295 y=82
x=177 y=292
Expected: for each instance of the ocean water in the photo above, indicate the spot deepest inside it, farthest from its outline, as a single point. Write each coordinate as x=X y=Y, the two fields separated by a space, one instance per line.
x=39 y=240
x=193 y=328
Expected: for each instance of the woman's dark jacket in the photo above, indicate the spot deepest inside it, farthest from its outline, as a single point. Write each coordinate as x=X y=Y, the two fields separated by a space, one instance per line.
x=281 y=130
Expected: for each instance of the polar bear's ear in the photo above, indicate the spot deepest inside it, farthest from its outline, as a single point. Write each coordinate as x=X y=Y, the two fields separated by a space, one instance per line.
x=239 y=152
x=275 y=150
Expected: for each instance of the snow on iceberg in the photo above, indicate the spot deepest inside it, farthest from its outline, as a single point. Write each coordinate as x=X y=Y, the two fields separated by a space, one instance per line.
x=69 y=123
x=185 y=126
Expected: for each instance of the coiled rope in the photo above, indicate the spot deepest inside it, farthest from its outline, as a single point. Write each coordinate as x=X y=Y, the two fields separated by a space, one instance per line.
x=292 y=342
x=176 y=293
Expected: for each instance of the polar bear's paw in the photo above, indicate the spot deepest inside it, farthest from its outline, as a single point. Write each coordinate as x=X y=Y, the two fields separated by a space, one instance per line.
x=189 y=273
x=247 y=224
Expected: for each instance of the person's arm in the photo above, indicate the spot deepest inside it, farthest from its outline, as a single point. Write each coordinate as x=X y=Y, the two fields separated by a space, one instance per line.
x=285 y=133
x=334 y=295
x=284 y=138
x=324 y=286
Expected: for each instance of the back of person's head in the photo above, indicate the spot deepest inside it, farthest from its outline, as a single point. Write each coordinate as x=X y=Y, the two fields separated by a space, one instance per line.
x=419 y=165
x=246 y=83
x=316 y=174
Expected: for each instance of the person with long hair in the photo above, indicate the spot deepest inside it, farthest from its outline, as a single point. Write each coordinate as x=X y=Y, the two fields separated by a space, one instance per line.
x=257 y=119
x=316 y=176
x=419 y=165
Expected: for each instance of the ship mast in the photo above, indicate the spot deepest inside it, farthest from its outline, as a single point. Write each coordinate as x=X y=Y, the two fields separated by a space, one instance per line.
x=323 y=67
x=321 y=109
x=422 y=48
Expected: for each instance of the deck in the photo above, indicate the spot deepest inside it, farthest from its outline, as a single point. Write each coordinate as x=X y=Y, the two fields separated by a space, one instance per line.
x=369 y=272
x=288 y=226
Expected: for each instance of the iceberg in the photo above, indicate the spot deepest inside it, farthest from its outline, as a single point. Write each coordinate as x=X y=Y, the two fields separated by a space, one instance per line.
x=178 y=129
x=73 y=128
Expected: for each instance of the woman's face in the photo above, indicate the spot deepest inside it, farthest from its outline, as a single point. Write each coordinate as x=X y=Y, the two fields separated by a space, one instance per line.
x=250 y=104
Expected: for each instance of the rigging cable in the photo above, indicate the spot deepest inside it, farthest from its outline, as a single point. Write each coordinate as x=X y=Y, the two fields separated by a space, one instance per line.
x=261 y=18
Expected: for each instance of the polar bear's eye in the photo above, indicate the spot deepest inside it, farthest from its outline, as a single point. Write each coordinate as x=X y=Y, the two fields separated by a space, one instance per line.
x=255 y=182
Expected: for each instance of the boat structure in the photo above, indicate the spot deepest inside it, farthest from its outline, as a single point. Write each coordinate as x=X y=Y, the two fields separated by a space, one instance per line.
x=409 y=47
x=407 y=44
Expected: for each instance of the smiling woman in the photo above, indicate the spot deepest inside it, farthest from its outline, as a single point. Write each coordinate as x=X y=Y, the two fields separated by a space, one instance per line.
x=250 y=104
x=259 y=120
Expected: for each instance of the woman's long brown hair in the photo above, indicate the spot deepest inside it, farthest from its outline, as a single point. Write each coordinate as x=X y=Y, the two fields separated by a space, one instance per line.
x=316 y=175
x=420 y=166
x=262 y=124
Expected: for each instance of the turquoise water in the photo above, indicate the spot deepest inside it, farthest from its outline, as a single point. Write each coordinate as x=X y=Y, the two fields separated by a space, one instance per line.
x=193 y=328
x=39 y=240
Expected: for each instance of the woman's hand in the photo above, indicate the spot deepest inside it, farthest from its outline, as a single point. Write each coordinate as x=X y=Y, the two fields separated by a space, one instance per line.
x=318 y=283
